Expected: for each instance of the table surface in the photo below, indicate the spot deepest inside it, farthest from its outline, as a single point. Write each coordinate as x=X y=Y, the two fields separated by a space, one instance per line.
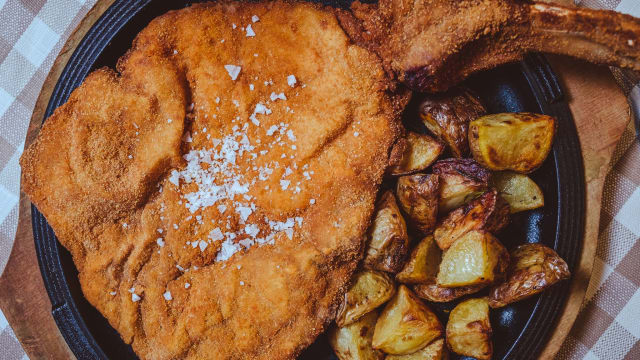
x=608 y=323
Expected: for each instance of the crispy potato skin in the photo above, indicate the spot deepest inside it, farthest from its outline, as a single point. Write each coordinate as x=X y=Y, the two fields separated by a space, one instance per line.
x=468 y=168
x=388 y=240
x=434 y=351
x=418 y=153
x=423 y=263
x=518 y=142
x=474 y=259
x=433 y=292
x=518 y=190
x=460 y=181
x=448 y=116
x=534 y=268
x=369 y=290
x=418 y=196
x=488 y=212
x=353 y=342
x=396 y=153
x=469 y=329
x=405 y=325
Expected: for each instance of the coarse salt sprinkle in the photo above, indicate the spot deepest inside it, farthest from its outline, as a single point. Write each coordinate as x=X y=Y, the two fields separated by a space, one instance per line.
x=233 y=71
x=214 y=177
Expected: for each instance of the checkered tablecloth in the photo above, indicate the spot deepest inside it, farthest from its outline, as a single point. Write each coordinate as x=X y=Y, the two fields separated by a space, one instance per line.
x=32 y=32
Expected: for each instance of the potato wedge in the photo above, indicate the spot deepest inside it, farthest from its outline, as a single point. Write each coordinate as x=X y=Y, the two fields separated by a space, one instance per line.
x=475 y=258
x=448 y=116
x=397 y=153
x=405 y=325
x=433 y=292
x=488 y=212
x=460 y=181
x=353 y=342
x=418 y=197
x=469 y=329
x=420 y=151
x=388 y=244
x=518 y=190
x=423 y=263
x=369 y=289
x=518 y=142
x=434 y=351
x=534 y=268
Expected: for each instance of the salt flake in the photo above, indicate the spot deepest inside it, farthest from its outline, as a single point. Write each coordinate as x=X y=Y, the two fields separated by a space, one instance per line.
x=233 y=71
x=216 y=234
x=290 y=135
x=203 y=245
x=291 y=80
x=250 y=32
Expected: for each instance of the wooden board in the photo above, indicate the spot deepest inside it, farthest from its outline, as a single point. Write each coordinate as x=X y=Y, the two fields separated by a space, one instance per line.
x=600 y=111
x=23 y=298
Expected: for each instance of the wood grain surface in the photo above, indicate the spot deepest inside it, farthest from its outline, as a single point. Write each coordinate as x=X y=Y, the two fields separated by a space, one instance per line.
x=600 y=110
x=601 y=113
x=23 y=298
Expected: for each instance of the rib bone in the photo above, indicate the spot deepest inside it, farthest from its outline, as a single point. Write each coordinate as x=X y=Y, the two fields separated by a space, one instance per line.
x=432 y=45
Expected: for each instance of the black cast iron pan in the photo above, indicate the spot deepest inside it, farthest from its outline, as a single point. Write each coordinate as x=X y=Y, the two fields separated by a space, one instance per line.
x=520 y=330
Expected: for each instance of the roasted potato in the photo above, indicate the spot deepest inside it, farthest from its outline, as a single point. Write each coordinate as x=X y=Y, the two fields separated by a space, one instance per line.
x=388 y=244
x=518 y=142
x=433 y=292
x=405 y=325
x=434 y=351
x=423 y=263
x=469 y=329
x=418 y=152
x=448 y=116
x=518 y=190
x=418 y=196
x=397 y=153
x=488 y=212
x=460 y=181
x=353 y=342
x=534 y=267
x=475 y=258
x=369 y=289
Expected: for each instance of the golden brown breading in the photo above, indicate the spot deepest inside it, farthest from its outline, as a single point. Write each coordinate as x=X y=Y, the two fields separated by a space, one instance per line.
x=118 y=173
x=432 y=45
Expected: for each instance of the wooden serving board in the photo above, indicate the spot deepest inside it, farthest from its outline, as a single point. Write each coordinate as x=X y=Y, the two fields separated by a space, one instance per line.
x=599 y=108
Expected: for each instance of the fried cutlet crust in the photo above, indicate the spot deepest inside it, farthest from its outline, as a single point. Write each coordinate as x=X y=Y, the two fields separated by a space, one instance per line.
x=101 y=172
x=432 y=45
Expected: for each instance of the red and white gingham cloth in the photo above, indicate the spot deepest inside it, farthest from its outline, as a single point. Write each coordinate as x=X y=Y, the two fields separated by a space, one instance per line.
x=32 y=32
